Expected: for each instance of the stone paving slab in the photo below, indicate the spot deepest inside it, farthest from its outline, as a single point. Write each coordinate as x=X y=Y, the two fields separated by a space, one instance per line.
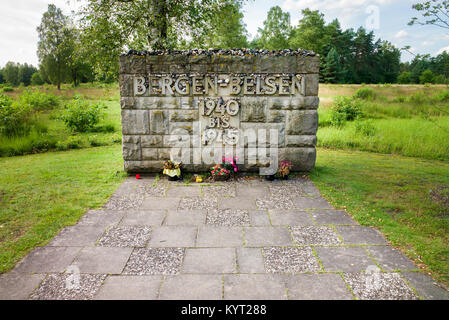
x=267 y=236
x=323 y=286
x=360 y=235
x=102 y=260
x=213 y=236
x=130 y=288
x=18 y=286
x=173 y=236
x=289 y=218
x=254 y=287
x=47 y=259
x=78 y=236
x=192 y=287
x=210 y=260
x=185 y=218
x=390 y=259
x=143 y=218
x=329 y=216
x=248 y=239
x=347 y=259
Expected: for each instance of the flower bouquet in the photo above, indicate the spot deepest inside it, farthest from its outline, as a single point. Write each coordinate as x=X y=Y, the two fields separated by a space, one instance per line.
x=172 y=170
x=230 y=164
x=284 y=169
x=220 y=174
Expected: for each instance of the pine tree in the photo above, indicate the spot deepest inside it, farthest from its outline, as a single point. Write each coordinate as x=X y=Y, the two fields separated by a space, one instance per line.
x=331 y=72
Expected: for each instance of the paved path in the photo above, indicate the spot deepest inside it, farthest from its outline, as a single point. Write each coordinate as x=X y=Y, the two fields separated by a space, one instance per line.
x=234 y=240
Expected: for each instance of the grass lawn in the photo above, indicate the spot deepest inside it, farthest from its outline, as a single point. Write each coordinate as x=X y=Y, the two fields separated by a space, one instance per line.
x=397 y=119
x=40 y=194
x=407 y=199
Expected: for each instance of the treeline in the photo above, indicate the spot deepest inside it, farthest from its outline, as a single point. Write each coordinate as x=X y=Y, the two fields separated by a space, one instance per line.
x=88 y=50
x=426 y=69
x=347 y=56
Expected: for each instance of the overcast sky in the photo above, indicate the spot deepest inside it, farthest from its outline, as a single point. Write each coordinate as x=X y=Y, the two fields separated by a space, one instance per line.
x=19 y=19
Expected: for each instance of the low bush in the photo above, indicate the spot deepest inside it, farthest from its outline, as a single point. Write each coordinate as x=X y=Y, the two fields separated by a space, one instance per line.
x=365 y=128
x=443 y=96
x=15 y=117
x=39 y=100
x=72 y=142
x=81 y=116
x=345 y=109
x=365 y=94
x=8 y=89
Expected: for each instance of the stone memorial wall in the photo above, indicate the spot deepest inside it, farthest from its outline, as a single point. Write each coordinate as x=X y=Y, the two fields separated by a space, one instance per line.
x=201 y=106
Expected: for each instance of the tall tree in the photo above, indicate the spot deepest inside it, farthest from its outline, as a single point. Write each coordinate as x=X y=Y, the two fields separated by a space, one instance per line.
x=53 y=51
x=228 y=29
x=276 y=30
x=331 y=73
x=310 y=33
x=433 y=12
x=111 y=26
x=11 y=73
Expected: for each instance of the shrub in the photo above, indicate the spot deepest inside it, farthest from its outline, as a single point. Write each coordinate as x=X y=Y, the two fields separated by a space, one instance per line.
x=417 y=98
x=365 y=128
x=39 y=100
x=7 y=89
x=440 y=79
x=72 y=142
x=345 y=109
x=80 y=116
x=404 y=78
x=36 y=79
x=400 y=99
x=426 y=77
x=15 y=118
x=443 y=96
x=365 y=94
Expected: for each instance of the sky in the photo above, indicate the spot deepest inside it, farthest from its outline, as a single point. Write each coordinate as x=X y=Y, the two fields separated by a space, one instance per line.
x=387 y=18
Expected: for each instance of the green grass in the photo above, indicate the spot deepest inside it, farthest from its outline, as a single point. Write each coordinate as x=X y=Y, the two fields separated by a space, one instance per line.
x=410 y=137
x=405 y=198
x=40 y=194
x=405 y=120
x=59 y=137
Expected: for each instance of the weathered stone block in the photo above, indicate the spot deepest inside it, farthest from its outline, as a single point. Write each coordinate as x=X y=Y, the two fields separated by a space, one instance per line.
x=149 y=154
x=276 y=116
x=143 y=166
x=156 y=103
x=127 y=102
x=287 y=103
x=301 y=141
x=135 y=122
x=181 y=128
x=302 y=122
x=131 y=148
x=253 y=109
x=183 y=115
x=311 y=84
x=151 y=141
x=309 y=64
x=303 y=159
x=264 y=132
x=158 y=122
x=126 y=85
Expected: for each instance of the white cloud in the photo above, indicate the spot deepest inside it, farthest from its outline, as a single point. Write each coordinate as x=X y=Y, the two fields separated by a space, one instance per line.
x=332 y=4
x=401 y=34
x=442 y=50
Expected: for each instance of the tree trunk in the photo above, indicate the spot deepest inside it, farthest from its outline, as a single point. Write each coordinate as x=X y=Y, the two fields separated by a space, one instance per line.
x=157 y=24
